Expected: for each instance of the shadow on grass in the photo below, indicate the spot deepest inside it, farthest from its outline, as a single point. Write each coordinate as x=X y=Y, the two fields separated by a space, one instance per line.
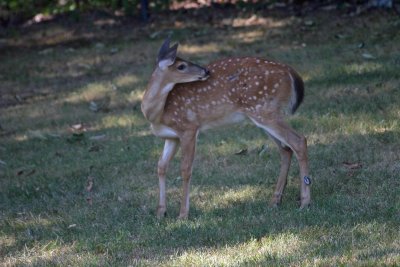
x=360 y=95
x=119 y=224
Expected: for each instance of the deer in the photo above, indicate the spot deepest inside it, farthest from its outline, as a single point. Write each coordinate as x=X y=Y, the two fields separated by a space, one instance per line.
x=183 y=99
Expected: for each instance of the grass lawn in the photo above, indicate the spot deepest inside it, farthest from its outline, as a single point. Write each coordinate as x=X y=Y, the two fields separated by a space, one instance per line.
x=78 y=182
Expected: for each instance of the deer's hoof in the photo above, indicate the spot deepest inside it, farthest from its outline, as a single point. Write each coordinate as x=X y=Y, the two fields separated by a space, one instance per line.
x=274 y=203
x=276 y=200
x=183 y=216
x=161 y=212
x=305 y=204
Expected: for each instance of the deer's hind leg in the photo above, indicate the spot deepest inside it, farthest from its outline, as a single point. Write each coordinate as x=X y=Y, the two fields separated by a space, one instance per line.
x=286 y=158
x=281 y=131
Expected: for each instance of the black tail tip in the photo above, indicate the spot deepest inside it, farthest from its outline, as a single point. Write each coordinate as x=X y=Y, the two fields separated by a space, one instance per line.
x=299 y=92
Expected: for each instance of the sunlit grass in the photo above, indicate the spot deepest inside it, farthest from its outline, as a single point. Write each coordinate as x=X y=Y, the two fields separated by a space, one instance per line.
x=249 y=36
x=280 y=249
x=196 y=49
x=90 y=92
x=363 y=68
x=52 y=253
x=229 y=197
x=126 y=80
x=7 y=240
x=119 y=121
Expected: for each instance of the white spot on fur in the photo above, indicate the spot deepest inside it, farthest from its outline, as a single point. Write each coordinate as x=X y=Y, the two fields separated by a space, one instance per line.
x=191 y=115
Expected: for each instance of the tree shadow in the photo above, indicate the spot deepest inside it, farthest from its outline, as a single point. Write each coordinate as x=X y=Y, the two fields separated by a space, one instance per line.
x=335 y=206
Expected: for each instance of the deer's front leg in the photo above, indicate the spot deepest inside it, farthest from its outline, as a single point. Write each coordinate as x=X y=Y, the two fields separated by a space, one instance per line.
x=170 y=148
x=188 y=147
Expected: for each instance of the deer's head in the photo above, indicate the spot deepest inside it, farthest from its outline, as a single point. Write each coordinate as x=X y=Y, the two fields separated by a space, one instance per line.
x=178 y=70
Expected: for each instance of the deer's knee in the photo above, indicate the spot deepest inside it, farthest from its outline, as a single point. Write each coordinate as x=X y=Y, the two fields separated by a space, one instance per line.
x=186 y=173
x=162 y=168
x=301 y=147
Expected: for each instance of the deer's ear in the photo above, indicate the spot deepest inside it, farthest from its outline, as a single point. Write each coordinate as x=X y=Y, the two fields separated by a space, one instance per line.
x=167 y=55
x=163 y=49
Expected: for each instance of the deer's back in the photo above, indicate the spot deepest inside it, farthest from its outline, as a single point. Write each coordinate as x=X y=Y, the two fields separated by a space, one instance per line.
x=236 y=86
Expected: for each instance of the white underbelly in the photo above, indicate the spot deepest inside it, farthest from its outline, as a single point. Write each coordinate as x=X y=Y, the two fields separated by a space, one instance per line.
x=232 y=118
x=164 y=131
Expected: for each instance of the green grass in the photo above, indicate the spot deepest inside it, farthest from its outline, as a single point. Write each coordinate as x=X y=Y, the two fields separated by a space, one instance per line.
x=350 y=115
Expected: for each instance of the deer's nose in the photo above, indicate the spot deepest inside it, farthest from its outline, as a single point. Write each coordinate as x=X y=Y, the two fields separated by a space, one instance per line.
x=207 y=72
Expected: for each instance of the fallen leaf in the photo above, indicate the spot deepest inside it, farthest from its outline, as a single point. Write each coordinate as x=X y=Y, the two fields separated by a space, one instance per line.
x=90 y=182
x=367 y=56
x=98 y=137
x=71 y=226
x=100 y=105
x=79 y=127
x=340 y=36
x=26 y=171
x=352 y=166
x=242 y=152
x=93 y=106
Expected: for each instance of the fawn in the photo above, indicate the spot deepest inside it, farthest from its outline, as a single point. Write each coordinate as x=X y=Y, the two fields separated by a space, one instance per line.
x=183 y=99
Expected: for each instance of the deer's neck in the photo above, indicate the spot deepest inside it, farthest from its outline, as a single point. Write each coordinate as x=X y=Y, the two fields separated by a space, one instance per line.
x=155 y=97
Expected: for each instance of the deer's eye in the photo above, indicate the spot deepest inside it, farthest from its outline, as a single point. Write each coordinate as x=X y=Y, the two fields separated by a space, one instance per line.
x=181 y=67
